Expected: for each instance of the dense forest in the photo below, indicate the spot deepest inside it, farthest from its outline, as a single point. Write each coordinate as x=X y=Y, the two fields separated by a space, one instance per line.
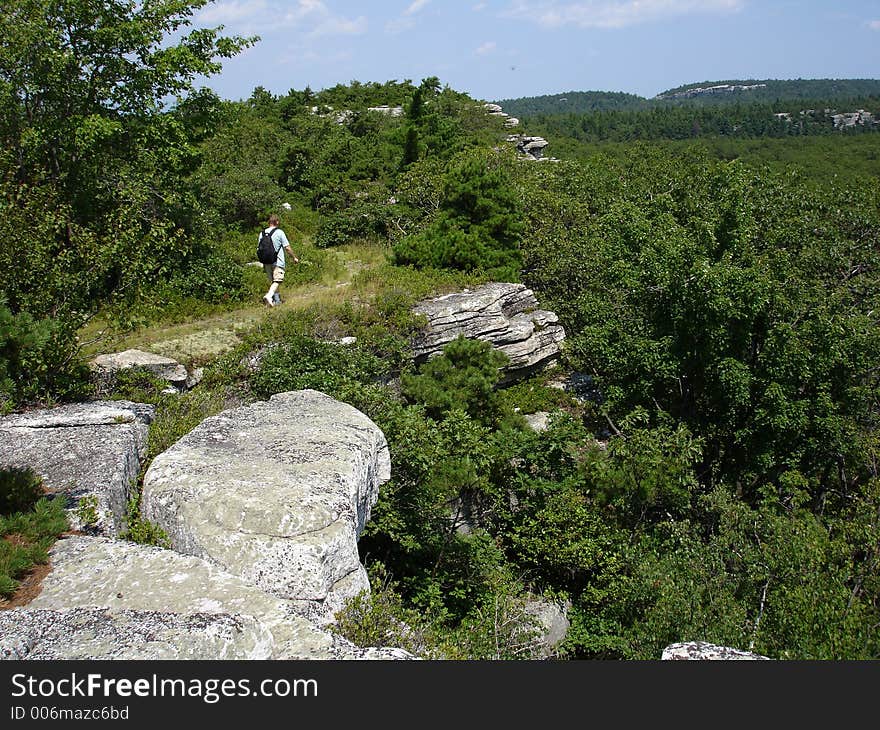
x=714 y=476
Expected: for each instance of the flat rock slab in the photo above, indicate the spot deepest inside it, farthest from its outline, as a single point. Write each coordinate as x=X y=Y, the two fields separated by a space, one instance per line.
x=106 y=367
x=703 y=651
x=80 y=450
x=505 y=315
x=118 y=576
x=277 y=493
x=92 y=633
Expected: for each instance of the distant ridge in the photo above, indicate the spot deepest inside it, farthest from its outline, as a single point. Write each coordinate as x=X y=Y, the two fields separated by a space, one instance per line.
x=773 y=89
x=705 y=93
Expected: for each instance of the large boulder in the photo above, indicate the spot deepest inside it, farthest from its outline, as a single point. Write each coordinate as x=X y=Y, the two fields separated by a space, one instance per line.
x=277 y=493
x=704 y=651
x=506 y=315
x=123 y=578
x=83 y=450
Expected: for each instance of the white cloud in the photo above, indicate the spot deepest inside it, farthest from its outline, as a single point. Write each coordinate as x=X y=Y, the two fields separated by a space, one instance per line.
x=398 y=25
x=480 y=6
x=311 y=17
x=232 y=11
x=874 y=24
x=318 y=20
x=406 y=20
x=340 y=26
x=613 y=13
x=486 y=48
x=415 y=7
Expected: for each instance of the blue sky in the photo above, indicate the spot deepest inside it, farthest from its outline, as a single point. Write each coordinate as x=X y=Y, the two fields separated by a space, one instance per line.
x=497 y=49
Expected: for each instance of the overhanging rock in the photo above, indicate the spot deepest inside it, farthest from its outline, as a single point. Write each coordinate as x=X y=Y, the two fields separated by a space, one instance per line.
x=277 y=493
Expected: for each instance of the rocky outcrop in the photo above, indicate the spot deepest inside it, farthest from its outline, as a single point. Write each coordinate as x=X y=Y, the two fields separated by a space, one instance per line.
x=495 y=110
x=531 y=148
x=539 y=421
x=83 y=450
x=276 y=493
x=506 y=315
x=703 y=651
x=106 y=368
x=391 y=111
x=710 y=90
x=122 y=579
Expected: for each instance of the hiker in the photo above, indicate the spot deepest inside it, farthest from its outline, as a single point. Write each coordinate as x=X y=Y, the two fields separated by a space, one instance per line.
x=275 y=271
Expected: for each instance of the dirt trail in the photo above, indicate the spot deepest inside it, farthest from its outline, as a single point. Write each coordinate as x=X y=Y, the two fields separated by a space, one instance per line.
x=197 y=341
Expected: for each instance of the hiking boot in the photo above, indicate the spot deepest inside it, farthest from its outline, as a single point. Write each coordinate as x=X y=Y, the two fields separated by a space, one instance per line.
x=268 y=300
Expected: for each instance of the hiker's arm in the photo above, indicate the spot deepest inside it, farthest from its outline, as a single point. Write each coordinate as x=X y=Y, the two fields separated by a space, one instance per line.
x=291 y=253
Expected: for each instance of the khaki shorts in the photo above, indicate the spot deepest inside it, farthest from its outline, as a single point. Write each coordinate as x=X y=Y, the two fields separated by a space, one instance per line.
x=275 y=273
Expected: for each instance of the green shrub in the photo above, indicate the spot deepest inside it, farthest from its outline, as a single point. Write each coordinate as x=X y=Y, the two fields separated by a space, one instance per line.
x=478 y=224
x=360 y=221
x=38 y=360
x=532 y=396
x=463 y=377
x=25 y=538
x=303 y=362
x=142 y=531
x=209 y=276
x=19 y=490
x=138 y=384
x=380 y=618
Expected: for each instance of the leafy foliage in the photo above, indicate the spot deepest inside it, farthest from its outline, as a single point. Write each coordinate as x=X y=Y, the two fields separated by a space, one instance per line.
x=477 y=226
x=27 y=531
x=302 y=362
x=462 y=378
x=38 y=359
x=19 y=490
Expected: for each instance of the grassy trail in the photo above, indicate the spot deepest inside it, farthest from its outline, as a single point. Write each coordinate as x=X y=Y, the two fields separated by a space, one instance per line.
x=199 y=340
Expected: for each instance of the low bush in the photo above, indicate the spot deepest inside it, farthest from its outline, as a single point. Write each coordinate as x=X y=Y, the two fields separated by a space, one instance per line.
x=303 y=362
x=25 y=538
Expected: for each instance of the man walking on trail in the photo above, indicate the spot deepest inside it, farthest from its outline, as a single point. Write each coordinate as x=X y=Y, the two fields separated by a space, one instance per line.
x=275 y=272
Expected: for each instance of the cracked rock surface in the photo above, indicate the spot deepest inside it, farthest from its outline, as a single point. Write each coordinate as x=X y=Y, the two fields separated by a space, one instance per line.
x=94 y=580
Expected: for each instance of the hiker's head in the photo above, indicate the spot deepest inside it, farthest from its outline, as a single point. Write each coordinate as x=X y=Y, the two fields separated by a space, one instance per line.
x=273 y=220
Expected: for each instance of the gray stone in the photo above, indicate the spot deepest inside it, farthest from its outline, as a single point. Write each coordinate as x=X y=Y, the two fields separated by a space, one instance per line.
x=82 y=450
x=194 y=378
x=277 y=493
x=93 y=633
x=106 y=367
x=538 y=421
x=553 y=623
x=118 y=576
x=703 y=651
x=506 y=315
x=393 y=111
